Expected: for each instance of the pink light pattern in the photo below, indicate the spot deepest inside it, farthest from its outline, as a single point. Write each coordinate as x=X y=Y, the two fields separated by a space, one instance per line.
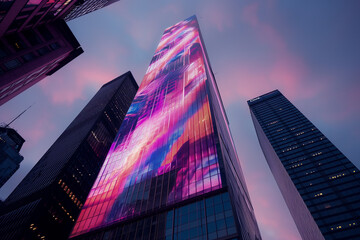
x=164 y=151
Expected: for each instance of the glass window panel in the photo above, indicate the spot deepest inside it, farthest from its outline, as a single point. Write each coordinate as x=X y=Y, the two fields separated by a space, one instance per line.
x=170 y=124
x=12 y=64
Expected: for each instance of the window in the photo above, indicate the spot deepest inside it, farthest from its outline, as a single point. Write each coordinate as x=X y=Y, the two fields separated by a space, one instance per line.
x=42 y=51
x=12 y=64
x=28 y=57
x=54 y=46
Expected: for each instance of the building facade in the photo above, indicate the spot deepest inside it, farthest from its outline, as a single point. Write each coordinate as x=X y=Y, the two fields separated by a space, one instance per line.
x=19 y=15
x=48 y=200
x=321 y=187
x=172 y=171
x=87 y=6
x=10 y=158
x=29 y=56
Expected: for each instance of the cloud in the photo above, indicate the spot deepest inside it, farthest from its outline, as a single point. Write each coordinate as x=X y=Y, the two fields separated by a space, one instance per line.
x=39 y=129
x=284 y=70
x=79 y=77
x=96 y=66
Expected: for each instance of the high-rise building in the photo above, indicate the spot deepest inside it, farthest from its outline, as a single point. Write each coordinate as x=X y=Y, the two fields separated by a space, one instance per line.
x=172 y=171
x=28 y=56
x=19 y=15
x=83 y=7
x=321 y=187
x=10 y=158
x=48 y=200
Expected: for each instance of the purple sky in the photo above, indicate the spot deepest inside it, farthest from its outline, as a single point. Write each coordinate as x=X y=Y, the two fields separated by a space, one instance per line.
x=310 y=52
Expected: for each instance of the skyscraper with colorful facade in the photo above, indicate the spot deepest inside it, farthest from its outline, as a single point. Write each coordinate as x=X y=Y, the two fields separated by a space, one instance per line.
x=321 y=187
x=172 y=171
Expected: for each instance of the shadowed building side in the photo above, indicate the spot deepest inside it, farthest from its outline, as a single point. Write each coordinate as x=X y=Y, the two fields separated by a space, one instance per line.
x=321 y=187
x=55 y=190
x=29 y=56
x=10 y=158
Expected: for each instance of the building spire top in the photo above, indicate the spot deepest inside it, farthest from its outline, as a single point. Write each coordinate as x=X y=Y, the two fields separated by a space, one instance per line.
x=7 y=125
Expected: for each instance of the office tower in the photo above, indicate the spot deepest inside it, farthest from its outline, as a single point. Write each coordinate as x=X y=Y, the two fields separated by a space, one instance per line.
x=321 y=187
x=10 y=158
x=172 y=171
x=29 y=56
x=48 y=200
x=83 y=7
x=19 y=15
x=16 y=16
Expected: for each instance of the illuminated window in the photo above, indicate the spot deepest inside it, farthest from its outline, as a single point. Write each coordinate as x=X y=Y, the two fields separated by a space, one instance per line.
x=318 y=195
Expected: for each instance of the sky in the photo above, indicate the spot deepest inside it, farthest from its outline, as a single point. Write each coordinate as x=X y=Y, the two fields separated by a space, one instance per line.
x=309 y=50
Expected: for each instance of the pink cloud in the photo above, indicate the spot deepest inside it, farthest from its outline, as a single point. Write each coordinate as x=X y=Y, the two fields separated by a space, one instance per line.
x=39 y=130
x=285 y=71
x=80 y=78
x=82 y=73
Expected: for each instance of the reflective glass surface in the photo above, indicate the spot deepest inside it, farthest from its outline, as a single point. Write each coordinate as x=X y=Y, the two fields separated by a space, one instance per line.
x=164 y=151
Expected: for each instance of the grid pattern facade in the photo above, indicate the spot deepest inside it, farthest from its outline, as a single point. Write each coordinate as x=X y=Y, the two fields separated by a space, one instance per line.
x=327 y=182
x=63 y=177
x=164 y=152
x=206 y=218
x=164 y=176
x=86 y=7
x=15 y=16
x=109 y=99
x=27 y=57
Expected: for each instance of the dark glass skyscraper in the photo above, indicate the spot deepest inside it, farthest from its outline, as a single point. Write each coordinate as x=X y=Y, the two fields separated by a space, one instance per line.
x=48 y=200
x=10 y=158
x=172 y=171
x=321 y=187
x=83 y=7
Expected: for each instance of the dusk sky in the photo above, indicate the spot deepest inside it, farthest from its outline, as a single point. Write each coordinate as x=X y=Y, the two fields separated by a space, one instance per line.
x=309 y=50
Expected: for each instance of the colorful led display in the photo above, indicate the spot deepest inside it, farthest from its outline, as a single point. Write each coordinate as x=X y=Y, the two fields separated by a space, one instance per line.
x=165 y=150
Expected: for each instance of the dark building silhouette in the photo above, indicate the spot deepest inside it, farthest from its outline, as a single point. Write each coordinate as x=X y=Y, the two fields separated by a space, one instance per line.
x=48 y=200
x=19 y=15
x=35 y=42
x=29 y=56
x=321 y=187
x=83 y=7
x=10 y=158
x=172 y=171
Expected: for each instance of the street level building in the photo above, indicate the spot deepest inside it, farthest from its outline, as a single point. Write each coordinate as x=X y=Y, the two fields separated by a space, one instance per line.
x=47 y=202
x=321 y=187
x=172 y=171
